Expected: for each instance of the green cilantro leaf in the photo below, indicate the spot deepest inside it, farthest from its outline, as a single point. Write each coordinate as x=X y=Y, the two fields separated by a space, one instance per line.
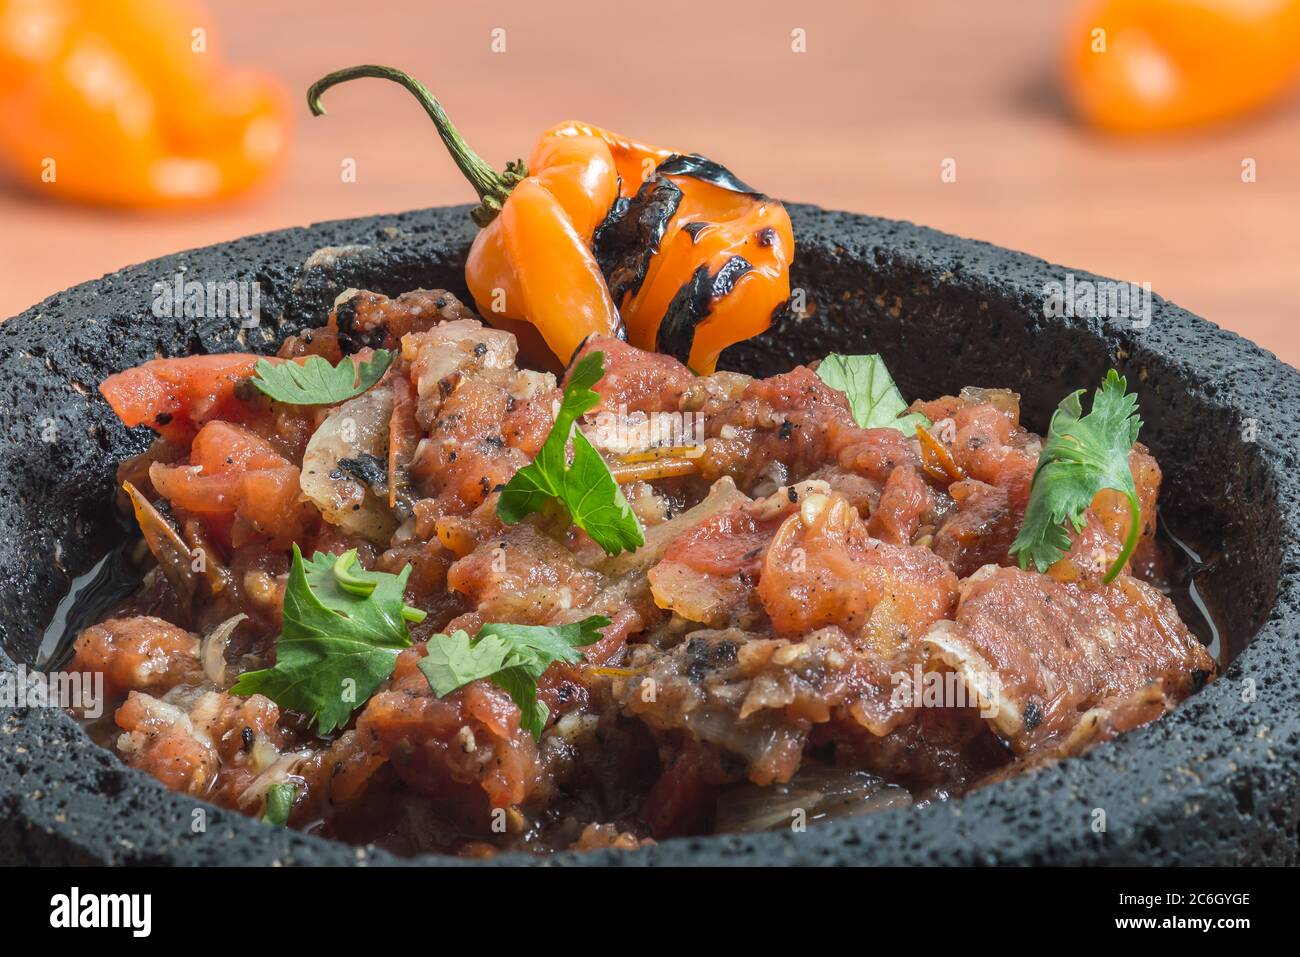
x=279 y=804
x=512 y=657
x=586 y=489
x=316 y=382
x=1081 y=455
x=343 y=627
x=873 y=398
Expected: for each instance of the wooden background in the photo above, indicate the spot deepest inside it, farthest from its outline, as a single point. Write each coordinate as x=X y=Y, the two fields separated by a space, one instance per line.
x=862 y=121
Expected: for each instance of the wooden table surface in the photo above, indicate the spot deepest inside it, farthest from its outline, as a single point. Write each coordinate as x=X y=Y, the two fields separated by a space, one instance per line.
x=862 y=121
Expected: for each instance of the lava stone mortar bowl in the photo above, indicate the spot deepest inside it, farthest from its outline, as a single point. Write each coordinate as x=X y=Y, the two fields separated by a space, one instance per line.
x=1217 y=781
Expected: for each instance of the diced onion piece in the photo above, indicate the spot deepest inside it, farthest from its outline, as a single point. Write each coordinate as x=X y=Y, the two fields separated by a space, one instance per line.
x=816 y=793
x=722 y=495
x=280 y=772
x=357 y=427
x=212 y=650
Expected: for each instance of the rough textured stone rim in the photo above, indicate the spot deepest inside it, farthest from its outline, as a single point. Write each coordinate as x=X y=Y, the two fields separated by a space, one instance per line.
x=1215 y=782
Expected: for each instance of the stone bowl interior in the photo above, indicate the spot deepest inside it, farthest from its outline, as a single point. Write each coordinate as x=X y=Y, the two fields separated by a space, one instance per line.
x=1215 y=782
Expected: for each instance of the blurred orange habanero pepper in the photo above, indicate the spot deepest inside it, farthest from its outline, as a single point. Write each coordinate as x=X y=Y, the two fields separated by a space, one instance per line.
x=1150 y=65
x=123 y=103
x=599 y=235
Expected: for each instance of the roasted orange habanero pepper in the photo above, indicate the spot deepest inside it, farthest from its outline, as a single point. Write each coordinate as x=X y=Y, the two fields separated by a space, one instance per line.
x=123 y=104
x=599 y=235
x=1133 y=66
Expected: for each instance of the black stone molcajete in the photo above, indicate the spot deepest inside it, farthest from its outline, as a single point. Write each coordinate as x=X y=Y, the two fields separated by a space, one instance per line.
x=1218 y=781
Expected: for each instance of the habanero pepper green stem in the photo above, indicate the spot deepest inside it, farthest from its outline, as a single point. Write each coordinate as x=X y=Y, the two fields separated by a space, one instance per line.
x=492 y=186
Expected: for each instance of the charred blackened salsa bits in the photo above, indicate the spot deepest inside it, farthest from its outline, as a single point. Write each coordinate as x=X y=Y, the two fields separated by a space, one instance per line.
x=403 y=589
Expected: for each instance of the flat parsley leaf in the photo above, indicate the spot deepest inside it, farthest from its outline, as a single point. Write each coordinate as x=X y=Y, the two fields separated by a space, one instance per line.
x=512 y=657
x=343 y=627
x=316 y=382
x=587 y=489
x=1081 y=455
x=873 y=398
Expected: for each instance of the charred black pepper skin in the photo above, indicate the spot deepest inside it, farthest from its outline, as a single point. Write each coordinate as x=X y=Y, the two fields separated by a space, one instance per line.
x=726 y=278
x=1033 y=715
x=692 y=305
x=350 y=339
x=694 y=229
x=684 y=313
x=706 y=171
x=365 y=468
x=705 y=656
x=629 y=237
x=345 y=317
